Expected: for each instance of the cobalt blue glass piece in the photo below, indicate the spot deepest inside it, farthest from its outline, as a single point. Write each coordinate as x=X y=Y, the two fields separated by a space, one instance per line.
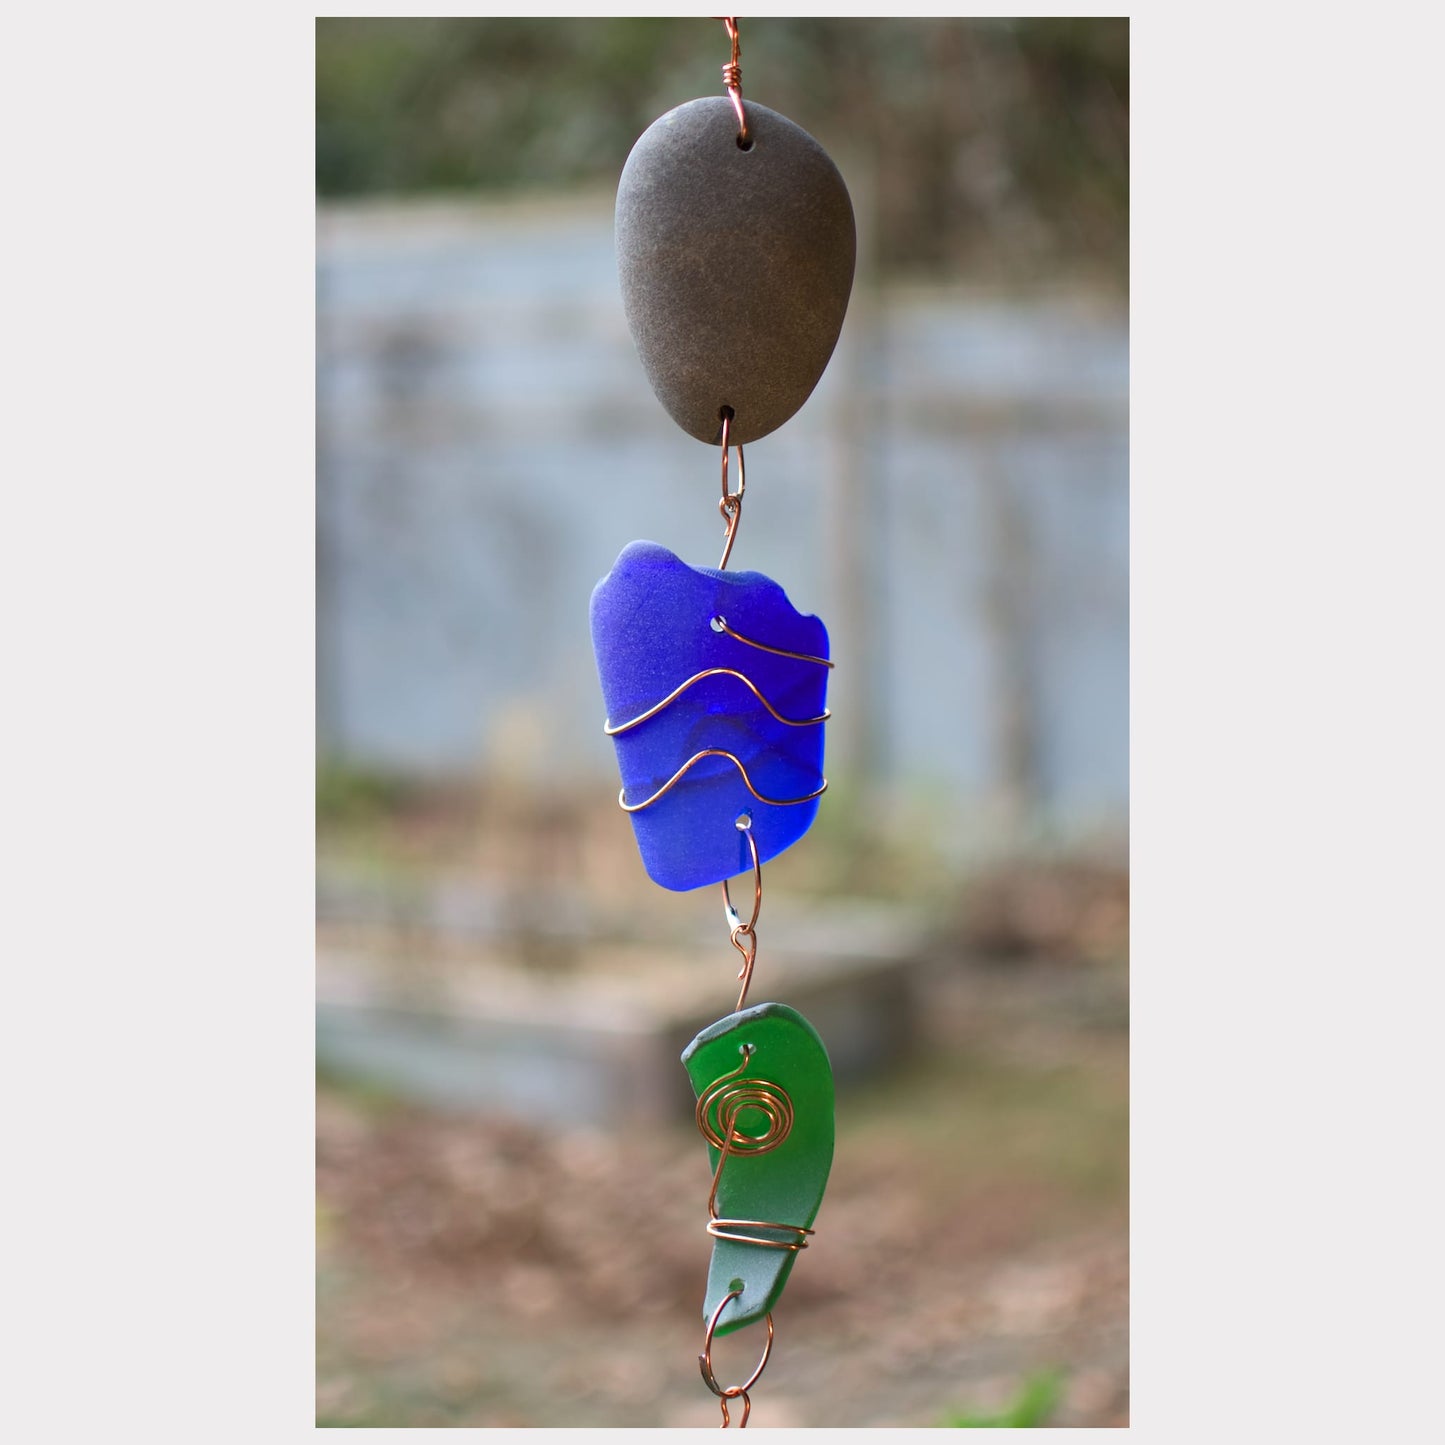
x=656 y=625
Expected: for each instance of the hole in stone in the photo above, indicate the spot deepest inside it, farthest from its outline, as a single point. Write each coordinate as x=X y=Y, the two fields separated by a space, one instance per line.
x=726 y=413
x=744 y=145
x=735 y=1284
x=743 y=821
x=717 y=623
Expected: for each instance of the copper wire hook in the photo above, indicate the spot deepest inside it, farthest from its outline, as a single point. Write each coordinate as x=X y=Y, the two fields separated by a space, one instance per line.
x=727 y=1419
x=731 y=505
x=733 y=81
x=744 y=826
x=744 y=936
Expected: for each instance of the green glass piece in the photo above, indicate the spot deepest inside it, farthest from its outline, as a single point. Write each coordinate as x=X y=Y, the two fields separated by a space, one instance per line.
x=772 y=1056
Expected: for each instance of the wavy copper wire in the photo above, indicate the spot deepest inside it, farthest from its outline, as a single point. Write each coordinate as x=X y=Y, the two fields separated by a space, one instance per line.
x=737 y=762
x=697 y=677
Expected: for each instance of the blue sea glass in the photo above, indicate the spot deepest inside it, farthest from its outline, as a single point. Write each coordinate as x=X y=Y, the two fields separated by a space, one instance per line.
x=654 y=627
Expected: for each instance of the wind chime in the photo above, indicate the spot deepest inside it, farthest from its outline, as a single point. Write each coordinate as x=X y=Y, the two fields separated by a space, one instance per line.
x=735 y=245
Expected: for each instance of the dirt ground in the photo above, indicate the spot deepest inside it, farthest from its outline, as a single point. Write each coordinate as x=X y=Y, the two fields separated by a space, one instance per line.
x=474 y=1271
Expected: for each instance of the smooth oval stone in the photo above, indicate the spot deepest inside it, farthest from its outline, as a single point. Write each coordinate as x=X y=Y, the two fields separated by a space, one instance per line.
x=735 y=265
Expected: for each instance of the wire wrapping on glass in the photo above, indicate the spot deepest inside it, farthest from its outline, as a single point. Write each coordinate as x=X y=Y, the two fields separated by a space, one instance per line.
x=697 y=677
x=718 y=1108
x=720 y=624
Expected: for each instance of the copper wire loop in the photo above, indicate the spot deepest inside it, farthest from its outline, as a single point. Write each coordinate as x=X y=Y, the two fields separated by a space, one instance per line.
x=704 y=1361
x=737 y=762
x=731 y=505
x=733 y=80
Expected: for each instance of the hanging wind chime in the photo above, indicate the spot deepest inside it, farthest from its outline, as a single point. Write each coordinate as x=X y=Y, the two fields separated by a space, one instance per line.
x=735 y=246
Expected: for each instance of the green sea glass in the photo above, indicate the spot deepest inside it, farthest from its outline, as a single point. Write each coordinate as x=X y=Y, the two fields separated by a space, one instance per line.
x=773 y=1055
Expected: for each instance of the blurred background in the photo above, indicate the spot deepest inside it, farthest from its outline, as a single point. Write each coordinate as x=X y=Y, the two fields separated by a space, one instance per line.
x=511 y=1193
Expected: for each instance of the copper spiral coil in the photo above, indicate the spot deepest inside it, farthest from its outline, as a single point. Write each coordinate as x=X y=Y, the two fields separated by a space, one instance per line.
x=717 y=1115
x=726 y=1097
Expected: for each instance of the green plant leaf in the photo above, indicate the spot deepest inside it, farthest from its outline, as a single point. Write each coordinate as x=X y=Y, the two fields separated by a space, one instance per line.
x=1033 y=1406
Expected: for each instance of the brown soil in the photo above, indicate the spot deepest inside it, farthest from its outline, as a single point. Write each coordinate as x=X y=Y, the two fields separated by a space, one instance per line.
x=475 y=1271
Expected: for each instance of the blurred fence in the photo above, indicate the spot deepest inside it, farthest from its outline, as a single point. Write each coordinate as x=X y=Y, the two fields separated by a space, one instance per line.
x=953 y=501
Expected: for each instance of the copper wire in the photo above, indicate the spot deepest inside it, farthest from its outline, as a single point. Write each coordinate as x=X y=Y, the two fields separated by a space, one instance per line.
x=745 y=931
x=807 y=722
x=720 y=624
x=731 y=505
x=744 y=826
x=747 y=1410
x=733 y=81
x=717 y=1112
x=749 y=951
x=719 y=1105
x=737 y=762
x=704 y=1363
x=728 y=1229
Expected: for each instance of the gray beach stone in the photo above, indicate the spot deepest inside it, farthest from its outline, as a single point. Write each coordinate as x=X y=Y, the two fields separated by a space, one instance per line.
x=735 y=265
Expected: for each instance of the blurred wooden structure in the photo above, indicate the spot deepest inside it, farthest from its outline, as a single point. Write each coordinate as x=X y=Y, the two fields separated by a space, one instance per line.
x=474 y=1027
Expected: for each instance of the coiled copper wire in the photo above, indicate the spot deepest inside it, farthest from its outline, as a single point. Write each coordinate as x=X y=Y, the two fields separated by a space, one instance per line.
x=718 y=1108
x=733 y=81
